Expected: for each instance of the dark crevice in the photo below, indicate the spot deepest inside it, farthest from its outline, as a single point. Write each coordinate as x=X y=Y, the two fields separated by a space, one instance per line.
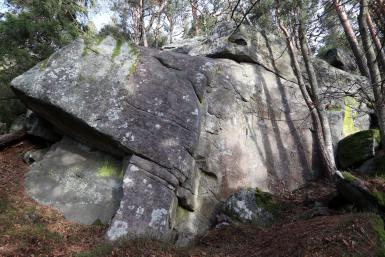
x=241 y=58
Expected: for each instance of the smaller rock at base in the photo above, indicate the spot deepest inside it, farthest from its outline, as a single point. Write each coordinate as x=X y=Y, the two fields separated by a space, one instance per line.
x=250 y=206
x=357 y=148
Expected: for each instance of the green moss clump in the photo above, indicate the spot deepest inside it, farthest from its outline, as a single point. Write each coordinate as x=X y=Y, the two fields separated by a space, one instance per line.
x=378 y=226
x=117 y=49
x=357 y=148
x=98 y=251
x=349 y=177
x=266 y=200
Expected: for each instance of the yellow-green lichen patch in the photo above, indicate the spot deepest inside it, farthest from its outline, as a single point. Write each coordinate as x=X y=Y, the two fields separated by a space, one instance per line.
x=349 y=116
x=109 y=170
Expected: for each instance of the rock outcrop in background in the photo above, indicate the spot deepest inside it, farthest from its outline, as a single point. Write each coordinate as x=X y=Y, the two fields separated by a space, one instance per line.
x=191 y=125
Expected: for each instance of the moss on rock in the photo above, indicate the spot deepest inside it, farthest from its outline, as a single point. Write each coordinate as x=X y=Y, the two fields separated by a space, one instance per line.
x=357 y=148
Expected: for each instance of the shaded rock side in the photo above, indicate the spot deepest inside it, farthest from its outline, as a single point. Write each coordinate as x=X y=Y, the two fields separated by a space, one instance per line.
x=357 y=148
x=82 y=184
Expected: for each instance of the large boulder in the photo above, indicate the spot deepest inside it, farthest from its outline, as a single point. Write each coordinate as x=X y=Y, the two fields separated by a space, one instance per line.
x=357 y=148
x=85 y=185
x=192 y=130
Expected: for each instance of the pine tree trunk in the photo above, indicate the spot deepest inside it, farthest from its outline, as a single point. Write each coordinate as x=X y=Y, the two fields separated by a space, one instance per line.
x=352 y=39
x=324 y=152
x=380 y=51
x=327 y=142
x=375 y=77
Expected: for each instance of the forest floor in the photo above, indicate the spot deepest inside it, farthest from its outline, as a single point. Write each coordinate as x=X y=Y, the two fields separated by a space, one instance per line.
x=30 y=229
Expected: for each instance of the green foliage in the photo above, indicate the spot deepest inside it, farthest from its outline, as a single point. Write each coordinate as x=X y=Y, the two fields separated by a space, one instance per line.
x=35 y=31
x=378 y=226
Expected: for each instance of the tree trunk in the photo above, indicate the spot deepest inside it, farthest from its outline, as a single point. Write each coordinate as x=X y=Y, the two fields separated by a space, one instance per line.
x=327 y=142
x=375 y=77
x=194 y=11
x=352 y=39
x=325 y=157
x=380 y=51
x=143 y=34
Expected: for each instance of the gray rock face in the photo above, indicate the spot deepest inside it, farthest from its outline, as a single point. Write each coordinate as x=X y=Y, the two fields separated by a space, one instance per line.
x=196 y=128
x=340 y=59
x=84 y=185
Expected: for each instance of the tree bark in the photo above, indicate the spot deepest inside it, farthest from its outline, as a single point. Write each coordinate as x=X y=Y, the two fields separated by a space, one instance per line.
x=352 y=39
x=380 y=51
x=327 y=142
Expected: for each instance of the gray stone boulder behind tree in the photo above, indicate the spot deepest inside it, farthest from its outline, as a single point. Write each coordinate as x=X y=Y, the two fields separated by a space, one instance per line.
x=84 y=185
x=340 y=59
x=353 y=150
x=250 y=206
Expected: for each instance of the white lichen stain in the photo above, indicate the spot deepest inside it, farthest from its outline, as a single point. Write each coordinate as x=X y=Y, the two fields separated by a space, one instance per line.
x=243 y=211
x=117 y=230
x=157 y=126
x=158 y=218
x=128 y=181
x=134 y=168
x=195 y=112
x=139 y=212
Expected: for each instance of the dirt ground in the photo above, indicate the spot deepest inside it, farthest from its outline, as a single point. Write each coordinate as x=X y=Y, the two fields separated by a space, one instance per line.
x=30 y=229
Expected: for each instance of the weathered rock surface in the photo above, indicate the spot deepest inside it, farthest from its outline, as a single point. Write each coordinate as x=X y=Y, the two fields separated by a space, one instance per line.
x=353 y=150
x=84 y=185
x=251 y=206
x=196 y=128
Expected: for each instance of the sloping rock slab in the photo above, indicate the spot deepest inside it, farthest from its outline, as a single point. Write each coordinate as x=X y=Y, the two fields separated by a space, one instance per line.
x=126 y=103
x=85 y=185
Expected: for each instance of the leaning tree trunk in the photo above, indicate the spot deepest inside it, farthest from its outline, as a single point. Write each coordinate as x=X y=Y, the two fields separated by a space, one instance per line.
x=352 y=39
x=380 y=51
x=375 y=76
x=324 y=152
x=194 y=12
x=327 y=141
